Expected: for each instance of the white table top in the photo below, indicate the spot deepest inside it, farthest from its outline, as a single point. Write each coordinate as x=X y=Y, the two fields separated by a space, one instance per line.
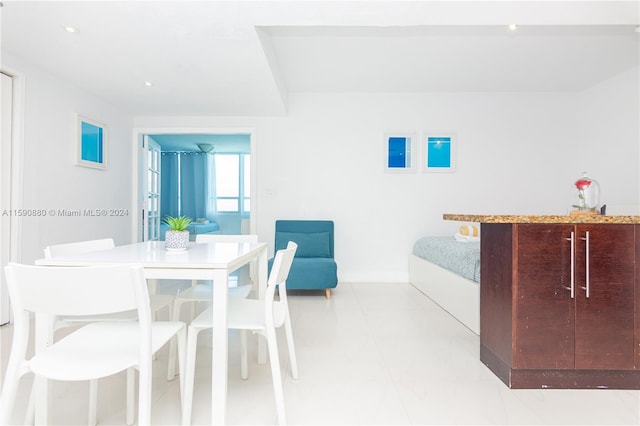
x=152 y=254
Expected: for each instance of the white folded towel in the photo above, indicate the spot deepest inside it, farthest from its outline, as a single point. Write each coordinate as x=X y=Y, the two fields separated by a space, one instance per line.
x=465 y=238
x=470 y=230
x=468 y=233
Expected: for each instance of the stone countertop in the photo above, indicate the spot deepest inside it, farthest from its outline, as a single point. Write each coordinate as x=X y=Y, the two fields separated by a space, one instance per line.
x=596 y=218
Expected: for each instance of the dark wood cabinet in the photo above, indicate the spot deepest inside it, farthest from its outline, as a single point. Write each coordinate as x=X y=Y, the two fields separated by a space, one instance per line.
x=544 y=310
x=605 y=314
x=559 y=305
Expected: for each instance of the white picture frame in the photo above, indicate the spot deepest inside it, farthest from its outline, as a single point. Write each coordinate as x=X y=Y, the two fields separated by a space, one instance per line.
x=439 y=152
x=399 y=152
x=91 y=149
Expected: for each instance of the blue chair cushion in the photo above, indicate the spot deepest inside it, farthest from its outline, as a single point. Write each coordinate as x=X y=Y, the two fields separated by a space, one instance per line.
x=311 y=274
x=315 y=244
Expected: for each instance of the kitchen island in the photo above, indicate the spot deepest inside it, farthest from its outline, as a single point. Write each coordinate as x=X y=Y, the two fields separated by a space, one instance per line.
x=559 y=299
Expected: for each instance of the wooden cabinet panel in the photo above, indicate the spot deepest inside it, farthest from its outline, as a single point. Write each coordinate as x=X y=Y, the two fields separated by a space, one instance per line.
x=605 y=319
x=533 y=333
x=545 y=315
x=554 y=330
x=496 y=264
x=636 y=297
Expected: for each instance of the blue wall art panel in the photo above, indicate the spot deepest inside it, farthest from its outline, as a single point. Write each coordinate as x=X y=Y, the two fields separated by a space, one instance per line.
x=439 y=153
x=398 y=148
x=92 y=143
x=397 y=152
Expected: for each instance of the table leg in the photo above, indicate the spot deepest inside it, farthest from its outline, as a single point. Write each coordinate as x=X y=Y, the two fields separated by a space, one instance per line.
x=220 y=353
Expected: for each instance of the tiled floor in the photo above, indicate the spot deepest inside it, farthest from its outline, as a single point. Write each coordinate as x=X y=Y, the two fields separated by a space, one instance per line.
x=373 y=354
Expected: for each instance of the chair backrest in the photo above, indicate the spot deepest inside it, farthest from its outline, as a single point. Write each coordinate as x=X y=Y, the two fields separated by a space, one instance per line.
x=69 y=291
x=313 y=237
x=220 y=238
x=78 y=248
x=278 y=279
x=281 y=266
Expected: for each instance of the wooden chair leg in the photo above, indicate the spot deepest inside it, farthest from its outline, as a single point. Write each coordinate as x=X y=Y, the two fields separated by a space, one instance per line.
x=327 y=293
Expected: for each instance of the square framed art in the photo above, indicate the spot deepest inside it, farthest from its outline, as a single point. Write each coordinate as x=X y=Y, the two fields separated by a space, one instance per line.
x=398 y=152
x=439 y=152
x=92 y=143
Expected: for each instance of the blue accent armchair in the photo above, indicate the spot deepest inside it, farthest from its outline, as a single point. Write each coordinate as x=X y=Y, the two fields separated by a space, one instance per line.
x=314 y=266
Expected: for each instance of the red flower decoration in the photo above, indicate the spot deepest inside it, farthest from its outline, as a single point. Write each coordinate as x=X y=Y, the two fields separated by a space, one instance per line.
x=583 y=183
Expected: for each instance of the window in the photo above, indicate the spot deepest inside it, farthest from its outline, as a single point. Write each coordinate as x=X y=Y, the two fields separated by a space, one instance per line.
x=233 y=185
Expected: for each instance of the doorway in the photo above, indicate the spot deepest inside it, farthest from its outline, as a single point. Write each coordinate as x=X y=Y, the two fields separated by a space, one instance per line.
x=11 y=131
x=228 y=144
x=6 y=216
x=151 y=188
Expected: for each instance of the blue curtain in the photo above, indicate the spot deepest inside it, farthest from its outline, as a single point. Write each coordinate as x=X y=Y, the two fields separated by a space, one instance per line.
x=169 y=185
x=184 y=185
x=193 y=184
x=211 y=187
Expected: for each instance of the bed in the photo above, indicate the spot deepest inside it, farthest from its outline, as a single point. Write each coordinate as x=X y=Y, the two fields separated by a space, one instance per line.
x=448 y=272
x=194 y=229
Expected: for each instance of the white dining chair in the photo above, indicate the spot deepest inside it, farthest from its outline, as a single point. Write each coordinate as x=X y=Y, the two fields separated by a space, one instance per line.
x=203 y=293
x=259 y=316
x=96 y=350
x=157 y=303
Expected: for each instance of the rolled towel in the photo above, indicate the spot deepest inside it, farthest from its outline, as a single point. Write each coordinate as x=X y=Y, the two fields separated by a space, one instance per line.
x=469 y=230
x=465 y=238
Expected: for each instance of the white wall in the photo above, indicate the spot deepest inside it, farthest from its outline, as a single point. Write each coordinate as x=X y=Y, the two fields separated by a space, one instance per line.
x=51 y=179
x=609 y=135
x=518 y=153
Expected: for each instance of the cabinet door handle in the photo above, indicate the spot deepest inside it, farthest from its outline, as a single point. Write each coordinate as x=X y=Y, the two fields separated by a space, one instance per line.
x=587 y=263
x=573 y=270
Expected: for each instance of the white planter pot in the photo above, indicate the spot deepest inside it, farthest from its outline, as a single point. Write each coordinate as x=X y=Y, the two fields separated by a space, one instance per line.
x=176 y=240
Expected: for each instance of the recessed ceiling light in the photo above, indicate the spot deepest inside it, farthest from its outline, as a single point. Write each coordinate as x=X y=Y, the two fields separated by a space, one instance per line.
x=513 y=27
x=70 y=29
x=148 y=83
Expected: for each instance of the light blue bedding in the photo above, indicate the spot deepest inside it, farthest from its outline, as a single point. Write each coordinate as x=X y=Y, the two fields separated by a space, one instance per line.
x=462 y=258
x=202 y=228
x=194 y=229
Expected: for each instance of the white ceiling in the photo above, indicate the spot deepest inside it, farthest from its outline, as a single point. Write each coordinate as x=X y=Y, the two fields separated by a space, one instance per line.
x=244 y=58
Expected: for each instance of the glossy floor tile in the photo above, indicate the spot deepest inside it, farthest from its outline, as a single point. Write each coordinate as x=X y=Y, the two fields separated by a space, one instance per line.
x=375 y=354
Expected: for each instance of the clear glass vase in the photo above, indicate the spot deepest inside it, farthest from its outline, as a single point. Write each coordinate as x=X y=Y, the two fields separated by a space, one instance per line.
x=588 y=194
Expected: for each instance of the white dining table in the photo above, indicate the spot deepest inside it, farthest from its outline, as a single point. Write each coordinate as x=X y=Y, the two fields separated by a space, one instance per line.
x=201 y=261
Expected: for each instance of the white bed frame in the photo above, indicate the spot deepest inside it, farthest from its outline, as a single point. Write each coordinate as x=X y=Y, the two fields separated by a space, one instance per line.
x=455 y=294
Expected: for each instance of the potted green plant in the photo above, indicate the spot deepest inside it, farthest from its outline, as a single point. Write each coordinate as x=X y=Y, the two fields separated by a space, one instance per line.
x=177 y=237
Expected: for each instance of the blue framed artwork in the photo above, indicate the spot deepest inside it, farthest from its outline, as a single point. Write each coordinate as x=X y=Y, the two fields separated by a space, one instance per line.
x=398 y=152
x=92 y=143
x=439 y=152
